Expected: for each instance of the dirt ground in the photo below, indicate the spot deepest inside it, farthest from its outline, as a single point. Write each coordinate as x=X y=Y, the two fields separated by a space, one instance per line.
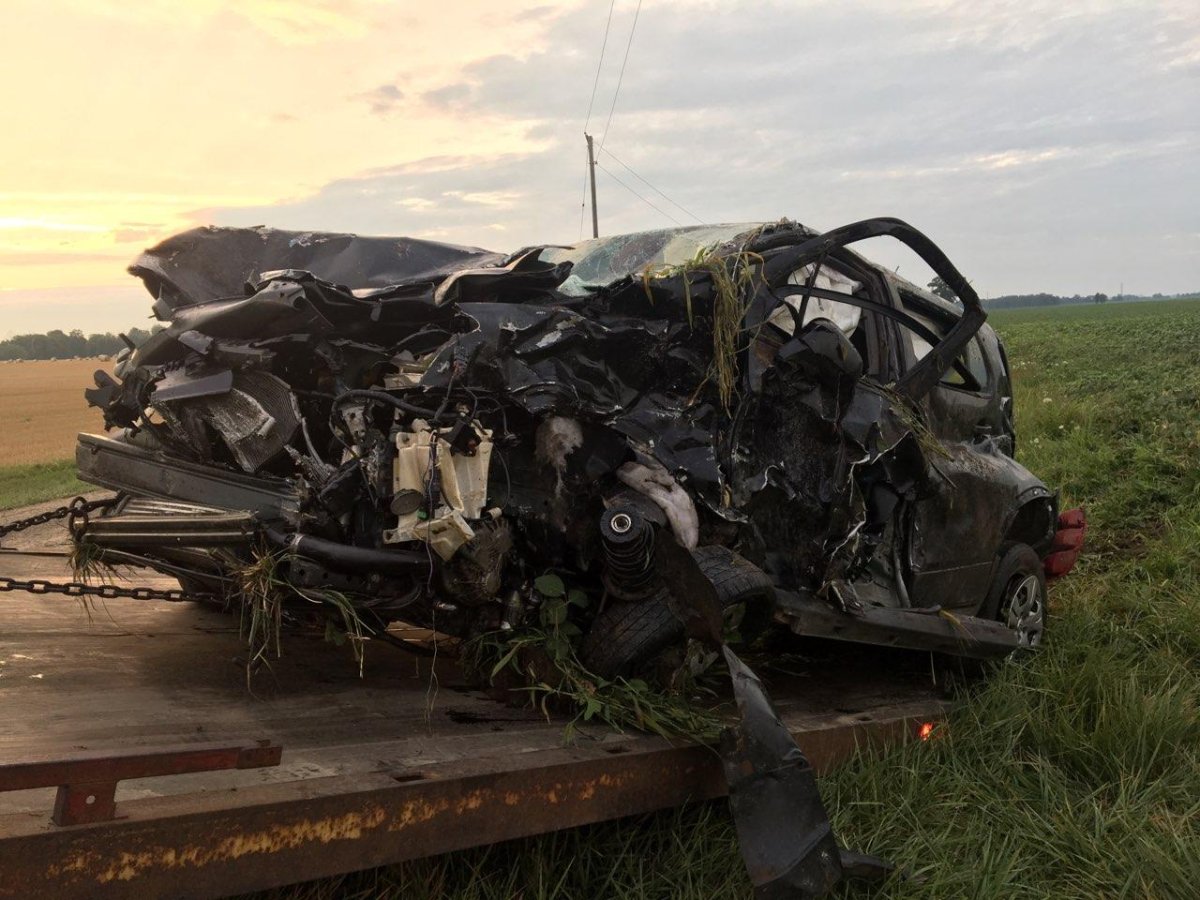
x=42 y=408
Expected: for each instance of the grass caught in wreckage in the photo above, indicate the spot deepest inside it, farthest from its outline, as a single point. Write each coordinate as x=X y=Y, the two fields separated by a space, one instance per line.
x=1074 y=772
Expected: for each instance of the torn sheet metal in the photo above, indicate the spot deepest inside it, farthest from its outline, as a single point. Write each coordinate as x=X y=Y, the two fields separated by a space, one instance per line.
x=786 y=839
x=783 y=829
x=206 y=263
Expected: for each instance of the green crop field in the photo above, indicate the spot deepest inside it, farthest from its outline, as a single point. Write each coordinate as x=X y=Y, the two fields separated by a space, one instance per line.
x=1075 y=773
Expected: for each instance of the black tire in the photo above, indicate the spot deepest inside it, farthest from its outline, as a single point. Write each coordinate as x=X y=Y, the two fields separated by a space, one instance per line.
x=739 y=581
x=628 y=636
x=1019 y=581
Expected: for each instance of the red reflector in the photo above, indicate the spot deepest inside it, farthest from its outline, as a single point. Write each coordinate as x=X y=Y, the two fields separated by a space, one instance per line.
x=1072 y=518
x=925 y=732
x=1068 y=541
x=1059 y=564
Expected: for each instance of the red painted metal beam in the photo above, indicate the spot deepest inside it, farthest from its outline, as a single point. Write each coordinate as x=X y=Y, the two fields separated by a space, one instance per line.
x=219 y=843
x=87 y=782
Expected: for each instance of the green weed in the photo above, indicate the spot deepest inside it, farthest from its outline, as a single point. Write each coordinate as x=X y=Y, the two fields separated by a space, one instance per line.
x=539 y=661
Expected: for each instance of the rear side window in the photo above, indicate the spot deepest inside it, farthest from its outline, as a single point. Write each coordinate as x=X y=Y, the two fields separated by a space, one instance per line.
x=969 y=371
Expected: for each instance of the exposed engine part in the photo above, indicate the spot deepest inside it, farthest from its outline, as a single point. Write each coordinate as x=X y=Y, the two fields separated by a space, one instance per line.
x=657 y=484
x=347 y=557
x=383 y=595
x=462 y=438
x=383 y=397
x=452 y=485
x=556 y=439
x=473 y=575
x=514 y=611
x=628 y=541
x=406 y=501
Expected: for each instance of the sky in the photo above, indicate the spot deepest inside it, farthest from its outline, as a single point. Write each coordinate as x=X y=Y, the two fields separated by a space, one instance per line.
x=1046 y=146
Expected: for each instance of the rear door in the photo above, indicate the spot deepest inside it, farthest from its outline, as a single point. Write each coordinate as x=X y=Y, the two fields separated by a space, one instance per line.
x=953 y=535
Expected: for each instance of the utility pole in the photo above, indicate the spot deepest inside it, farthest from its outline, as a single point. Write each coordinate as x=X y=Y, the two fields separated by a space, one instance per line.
x=592 y=177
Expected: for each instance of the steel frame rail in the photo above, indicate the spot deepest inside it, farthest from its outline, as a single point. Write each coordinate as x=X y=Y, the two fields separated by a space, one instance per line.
x=218 y=843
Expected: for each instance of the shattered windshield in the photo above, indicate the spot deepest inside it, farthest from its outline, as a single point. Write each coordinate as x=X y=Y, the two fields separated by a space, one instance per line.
x=602 y=261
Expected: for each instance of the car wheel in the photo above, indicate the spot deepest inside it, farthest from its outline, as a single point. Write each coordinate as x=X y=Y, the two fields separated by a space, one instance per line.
x=1018 y=595
x=627 y=636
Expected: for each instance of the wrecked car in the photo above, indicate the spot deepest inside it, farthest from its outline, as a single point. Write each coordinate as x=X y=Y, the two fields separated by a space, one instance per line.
x=427 y=429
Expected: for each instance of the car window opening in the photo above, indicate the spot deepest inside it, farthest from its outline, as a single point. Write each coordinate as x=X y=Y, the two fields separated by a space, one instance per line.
x=968 y=372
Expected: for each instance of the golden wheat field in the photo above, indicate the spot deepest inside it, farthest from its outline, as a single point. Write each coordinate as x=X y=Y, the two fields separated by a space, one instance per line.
x=42 y=408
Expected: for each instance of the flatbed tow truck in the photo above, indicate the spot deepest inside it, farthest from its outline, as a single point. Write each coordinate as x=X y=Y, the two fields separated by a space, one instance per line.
x=135 y=760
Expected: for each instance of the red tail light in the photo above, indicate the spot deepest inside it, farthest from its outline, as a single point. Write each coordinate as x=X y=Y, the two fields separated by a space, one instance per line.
x=1068 y=541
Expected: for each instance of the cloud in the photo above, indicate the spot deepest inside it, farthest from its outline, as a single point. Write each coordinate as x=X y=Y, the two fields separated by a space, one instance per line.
x=1046 y=146
x=46 y=258
x=132 y=232
x=288 y=21
x=383 y=99
x=490 y=199
x=21 y=223
x=450 y=95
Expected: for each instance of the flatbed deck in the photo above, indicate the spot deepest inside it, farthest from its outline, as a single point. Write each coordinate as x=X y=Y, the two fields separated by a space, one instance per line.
x=405 y=761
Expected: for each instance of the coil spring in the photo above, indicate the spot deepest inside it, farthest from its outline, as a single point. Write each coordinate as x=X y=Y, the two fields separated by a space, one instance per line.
x=628 y=553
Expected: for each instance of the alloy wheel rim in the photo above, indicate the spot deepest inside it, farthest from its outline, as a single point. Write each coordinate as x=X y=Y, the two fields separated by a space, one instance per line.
x=1025 y=610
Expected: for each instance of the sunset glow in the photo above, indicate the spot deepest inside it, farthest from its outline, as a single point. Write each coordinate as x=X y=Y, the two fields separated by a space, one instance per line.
x=134 y=121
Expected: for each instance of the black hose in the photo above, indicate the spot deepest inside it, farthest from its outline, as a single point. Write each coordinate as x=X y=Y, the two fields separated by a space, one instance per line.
x=346 y=557
x=382 y=397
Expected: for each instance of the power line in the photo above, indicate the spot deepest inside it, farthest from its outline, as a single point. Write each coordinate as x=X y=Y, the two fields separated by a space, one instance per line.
x=599 y=63
x=621 y=76
x=653 y=188
x=636 y=194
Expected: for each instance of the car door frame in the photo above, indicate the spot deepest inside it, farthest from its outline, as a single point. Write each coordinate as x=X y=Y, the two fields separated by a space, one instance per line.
x=956 y=585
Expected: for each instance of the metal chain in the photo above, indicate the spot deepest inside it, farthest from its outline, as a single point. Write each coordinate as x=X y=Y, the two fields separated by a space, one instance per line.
x=78 y=589
x=76 y=514
x=76 y=511
x=40 y=519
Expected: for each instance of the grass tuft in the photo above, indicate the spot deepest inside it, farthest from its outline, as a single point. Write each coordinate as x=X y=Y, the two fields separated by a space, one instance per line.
x=734 y=279
x=261 y=590
x=562 y=683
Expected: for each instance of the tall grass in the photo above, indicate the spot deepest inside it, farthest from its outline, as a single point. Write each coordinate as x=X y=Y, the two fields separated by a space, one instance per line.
x=1074 y=773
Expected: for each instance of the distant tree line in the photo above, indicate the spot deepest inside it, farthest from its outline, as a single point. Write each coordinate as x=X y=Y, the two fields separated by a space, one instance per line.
x=939 y=287
x=59 y=344
x=1023 y=301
